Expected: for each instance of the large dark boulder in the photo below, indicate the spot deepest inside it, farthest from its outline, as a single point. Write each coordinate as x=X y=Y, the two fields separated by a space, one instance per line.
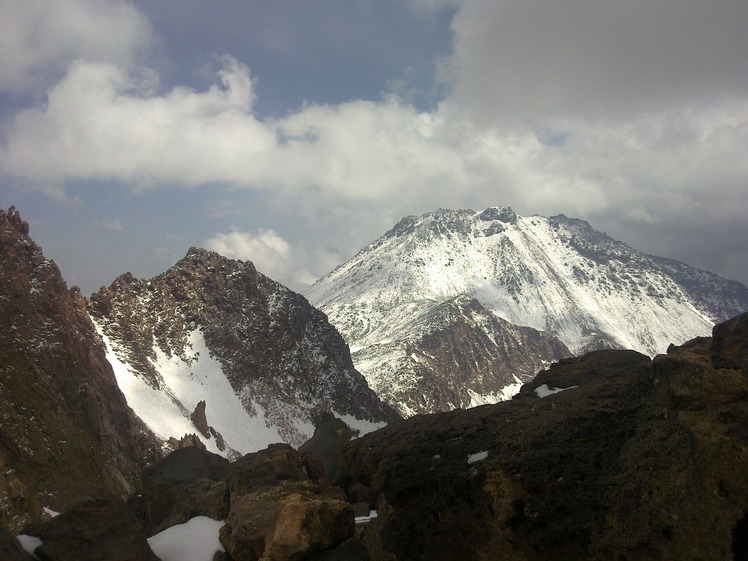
x=269 y=467
x=189 y=482
x=326 y=445
x=97 y=530
x=633 y=460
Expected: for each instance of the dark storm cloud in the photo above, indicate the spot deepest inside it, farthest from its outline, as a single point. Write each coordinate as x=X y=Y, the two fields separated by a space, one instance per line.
x=601 y=59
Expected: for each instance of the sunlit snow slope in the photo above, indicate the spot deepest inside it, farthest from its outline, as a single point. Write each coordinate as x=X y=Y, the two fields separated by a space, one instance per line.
x=556 y=275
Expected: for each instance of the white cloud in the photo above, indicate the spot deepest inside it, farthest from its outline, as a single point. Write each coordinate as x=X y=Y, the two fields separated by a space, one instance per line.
x=40 y=38
x=111 y=225
x=623 y=113
x=271 y=254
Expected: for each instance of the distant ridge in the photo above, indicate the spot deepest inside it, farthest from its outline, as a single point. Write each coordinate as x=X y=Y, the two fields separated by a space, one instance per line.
x=573 y=287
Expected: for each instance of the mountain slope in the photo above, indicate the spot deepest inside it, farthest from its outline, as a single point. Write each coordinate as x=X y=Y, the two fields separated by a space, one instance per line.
x=65 y=427
x=214 y=347
x=555 y=275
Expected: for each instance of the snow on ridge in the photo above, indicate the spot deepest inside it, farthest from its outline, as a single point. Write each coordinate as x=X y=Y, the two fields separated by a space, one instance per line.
x=527 y=271
x=200 y=378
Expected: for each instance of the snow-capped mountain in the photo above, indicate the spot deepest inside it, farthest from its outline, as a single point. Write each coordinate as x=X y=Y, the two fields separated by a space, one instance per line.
x=214 y=347
x=557 y=278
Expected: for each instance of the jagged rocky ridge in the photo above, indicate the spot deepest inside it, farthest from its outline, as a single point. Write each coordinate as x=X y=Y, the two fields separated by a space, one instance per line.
x=65 y=427
x=209 y=352
x=248 y=360
x=531 y=289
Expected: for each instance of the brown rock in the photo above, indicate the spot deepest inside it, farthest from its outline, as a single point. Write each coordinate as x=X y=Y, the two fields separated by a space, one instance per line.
x=65 y=427
x=306 y=524
x=269 y=467
x=286 y=522
x=199 y=419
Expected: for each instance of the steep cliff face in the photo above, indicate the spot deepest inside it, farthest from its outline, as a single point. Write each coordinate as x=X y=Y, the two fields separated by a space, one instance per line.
x=65 y=428
x=257 y=355
x=610 y=455
x=554 y=275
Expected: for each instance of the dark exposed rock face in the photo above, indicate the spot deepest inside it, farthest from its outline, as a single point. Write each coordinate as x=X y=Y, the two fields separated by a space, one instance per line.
x=189 y=482
x=65 y=428
x=635 y=459
x=458 y=354
x=326 y=445
x=275 y=349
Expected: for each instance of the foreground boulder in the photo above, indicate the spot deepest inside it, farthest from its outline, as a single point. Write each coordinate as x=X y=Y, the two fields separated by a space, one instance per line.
x=623 y=458
x=278 y=513
x=189 y=482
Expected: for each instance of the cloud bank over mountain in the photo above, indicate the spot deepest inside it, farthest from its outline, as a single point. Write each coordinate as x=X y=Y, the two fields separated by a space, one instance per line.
x=631 y=116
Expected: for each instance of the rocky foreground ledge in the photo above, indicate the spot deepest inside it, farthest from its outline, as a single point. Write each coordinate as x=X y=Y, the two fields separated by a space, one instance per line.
x=610 y=456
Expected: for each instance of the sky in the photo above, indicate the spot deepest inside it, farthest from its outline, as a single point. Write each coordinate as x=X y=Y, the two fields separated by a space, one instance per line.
x=293 y=134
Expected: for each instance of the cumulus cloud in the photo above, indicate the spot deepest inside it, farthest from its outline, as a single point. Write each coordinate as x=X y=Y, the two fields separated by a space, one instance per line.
x=631 y=114
x=271 y=254
x=39 y=38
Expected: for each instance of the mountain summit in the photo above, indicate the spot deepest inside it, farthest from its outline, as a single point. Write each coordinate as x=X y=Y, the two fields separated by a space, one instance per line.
x=533 y=288
x=214 y=345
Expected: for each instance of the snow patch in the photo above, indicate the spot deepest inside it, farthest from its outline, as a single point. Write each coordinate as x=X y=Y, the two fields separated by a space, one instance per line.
x=29 y=543
x=200 y=378
x=366 y=519
x=477 y=457
x=195 y=540
x=545 y=390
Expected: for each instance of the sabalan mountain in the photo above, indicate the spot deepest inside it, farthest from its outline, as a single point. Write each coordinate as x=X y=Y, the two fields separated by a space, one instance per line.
x=457 y=308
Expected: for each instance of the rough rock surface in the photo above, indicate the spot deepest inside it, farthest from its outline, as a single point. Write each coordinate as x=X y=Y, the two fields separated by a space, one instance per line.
x=278 y=513
x=65 y=428
x=189 y=482
x=280 y=355
x=636 y=459
x=97 y=530
x=326 y=445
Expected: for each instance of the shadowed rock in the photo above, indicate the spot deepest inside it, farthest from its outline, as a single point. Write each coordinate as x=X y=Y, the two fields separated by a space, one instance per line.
x=635 y=460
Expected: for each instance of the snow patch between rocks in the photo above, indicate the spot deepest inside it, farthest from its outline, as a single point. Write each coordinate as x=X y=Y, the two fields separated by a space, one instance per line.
x=545 y=390
x=195 y=540
x=477 y=457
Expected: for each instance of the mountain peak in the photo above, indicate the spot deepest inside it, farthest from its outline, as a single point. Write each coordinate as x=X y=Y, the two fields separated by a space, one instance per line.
x=558 y=276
